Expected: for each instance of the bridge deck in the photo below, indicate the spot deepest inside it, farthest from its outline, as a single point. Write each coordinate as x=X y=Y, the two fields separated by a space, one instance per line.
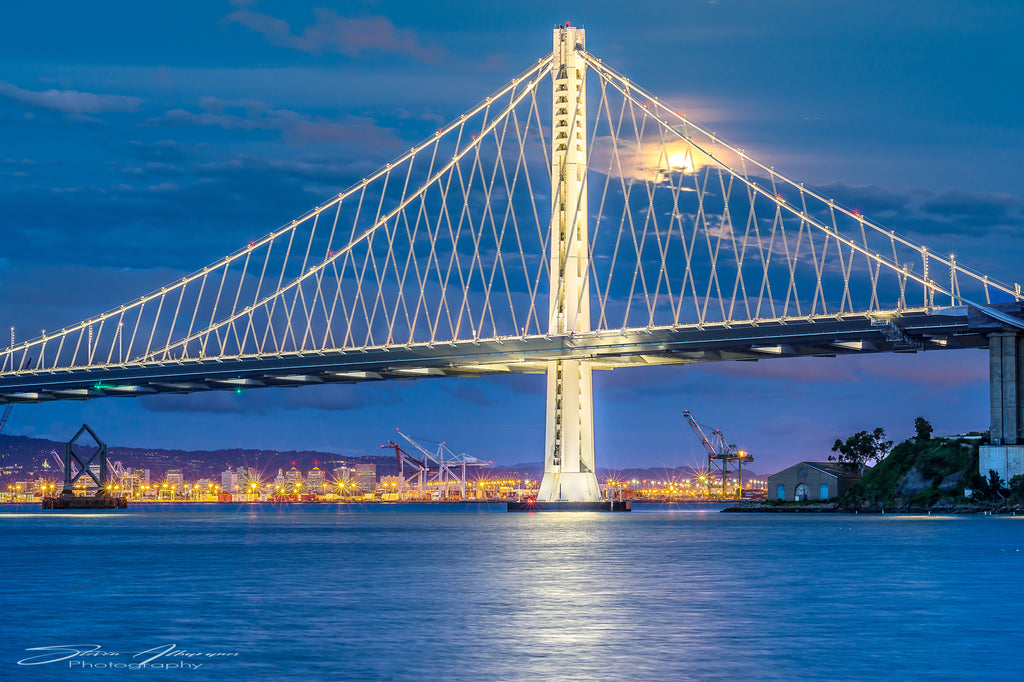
x=948 y=328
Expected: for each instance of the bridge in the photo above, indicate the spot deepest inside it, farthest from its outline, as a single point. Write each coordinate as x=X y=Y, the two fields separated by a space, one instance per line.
x=558 y=230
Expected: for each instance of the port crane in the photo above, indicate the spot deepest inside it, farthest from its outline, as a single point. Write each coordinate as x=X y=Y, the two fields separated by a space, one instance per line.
x=723 y=458
x=442 y=467
x=3 y=422
x=5 y=416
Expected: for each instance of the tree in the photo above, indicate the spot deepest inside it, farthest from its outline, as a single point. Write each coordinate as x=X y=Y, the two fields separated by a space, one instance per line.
x=923 y=429
x=861 y=448
x=992 y=488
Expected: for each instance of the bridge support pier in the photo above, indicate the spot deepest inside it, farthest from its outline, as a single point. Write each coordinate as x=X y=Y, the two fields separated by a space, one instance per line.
x=569 y=470
x=1005 y=453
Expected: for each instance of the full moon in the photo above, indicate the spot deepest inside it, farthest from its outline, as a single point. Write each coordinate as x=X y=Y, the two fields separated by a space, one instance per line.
x=681 y=161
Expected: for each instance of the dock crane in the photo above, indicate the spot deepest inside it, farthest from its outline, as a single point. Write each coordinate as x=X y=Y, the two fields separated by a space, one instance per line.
x=5 y=416
x=722 y=457
x=442 y=467
x=3 y=422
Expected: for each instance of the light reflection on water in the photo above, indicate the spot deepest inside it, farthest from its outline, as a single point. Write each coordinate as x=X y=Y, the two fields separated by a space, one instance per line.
x=582 y=596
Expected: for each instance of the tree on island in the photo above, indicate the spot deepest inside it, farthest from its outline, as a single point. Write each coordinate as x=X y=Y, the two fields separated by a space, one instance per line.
x=861 y=448
x=923 y=429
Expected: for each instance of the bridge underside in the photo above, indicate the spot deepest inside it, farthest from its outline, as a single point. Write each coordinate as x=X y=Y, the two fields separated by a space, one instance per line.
x=949 y=328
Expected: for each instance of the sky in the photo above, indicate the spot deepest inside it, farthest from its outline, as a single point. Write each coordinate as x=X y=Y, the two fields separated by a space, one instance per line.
x=144 y=140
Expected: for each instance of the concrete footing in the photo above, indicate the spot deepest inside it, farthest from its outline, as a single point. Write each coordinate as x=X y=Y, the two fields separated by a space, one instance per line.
x=1005 y=460
x=601 y=506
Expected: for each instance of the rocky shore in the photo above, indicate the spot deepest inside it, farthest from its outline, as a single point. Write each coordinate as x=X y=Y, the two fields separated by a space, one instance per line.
x=987 y=509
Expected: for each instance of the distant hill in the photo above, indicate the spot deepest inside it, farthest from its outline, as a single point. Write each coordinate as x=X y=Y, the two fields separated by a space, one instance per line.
x=22 y=458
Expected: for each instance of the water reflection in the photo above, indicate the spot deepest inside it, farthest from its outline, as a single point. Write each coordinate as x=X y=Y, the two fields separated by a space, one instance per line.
x=520 y=596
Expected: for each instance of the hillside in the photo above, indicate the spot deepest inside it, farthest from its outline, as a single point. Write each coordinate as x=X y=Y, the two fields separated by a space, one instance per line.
x=922 y=473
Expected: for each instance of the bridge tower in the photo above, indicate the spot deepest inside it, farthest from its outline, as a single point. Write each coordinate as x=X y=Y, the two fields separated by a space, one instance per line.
x=569 y=471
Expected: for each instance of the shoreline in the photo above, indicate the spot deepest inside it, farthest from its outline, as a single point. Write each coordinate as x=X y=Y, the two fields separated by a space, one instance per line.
x=835 y=508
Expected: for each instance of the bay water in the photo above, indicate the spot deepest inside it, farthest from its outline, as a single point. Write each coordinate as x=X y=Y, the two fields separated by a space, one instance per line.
x=325 y=592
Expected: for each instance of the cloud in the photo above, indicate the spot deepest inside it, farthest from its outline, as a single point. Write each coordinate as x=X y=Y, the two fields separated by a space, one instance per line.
x=294 y=127
x=470 y=394
x=267 y=400
x=70 y=102
x=350 y=36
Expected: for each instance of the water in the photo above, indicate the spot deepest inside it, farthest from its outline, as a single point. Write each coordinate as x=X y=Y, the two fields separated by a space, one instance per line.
x=492 y=596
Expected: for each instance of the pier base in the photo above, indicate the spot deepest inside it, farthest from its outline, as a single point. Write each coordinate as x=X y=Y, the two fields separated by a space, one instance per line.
x=98 y=501
x=600 y=506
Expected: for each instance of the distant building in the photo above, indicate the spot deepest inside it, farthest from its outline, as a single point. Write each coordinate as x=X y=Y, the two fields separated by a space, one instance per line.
x=247 y=477
x=315 y=480
x=811 y=481
x=175 y=480
x=229 y=481
x=365 y=476
x=293 y=479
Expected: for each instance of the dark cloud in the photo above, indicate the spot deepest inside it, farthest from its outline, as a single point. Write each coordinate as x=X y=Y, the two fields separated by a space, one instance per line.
x=470 y=394
x=974 y=207
x=331 y=32
x=295 y=128
x=270 y=400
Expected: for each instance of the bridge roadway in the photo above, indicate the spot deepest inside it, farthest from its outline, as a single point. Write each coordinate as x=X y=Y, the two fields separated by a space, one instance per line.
x=910 y=331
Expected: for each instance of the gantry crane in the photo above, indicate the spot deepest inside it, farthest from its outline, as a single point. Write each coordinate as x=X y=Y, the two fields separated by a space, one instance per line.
x=3 y=422
x=722 y=457
x=5 y=416
x=442 y=467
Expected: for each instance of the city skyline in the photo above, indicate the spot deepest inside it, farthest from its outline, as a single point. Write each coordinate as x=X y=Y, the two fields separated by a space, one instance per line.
x=133 y=159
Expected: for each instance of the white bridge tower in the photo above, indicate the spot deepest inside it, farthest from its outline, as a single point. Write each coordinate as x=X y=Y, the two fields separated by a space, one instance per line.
x=569 y=472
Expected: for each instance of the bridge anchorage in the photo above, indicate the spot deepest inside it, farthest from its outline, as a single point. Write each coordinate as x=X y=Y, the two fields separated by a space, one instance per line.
x=616 y=233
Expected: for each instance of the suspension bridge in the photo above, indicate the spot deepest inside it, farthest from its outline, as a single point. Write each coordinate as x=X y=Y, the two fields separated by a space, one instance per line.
x=570 y=221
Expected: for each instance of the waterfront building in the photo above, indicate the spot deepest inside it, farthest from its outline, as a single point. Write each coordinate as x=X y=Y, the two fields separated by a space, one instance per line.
x=812 y=481
x=391 y=487
x=293 y=479
x=247 y=477
x=229 y=481
x=365 y=477
x=315 y=480
x=175 y=479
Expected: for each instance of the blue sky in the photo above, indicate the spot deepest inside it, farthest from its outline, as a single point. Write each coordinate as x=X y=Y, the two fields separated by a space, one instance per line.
x=144 y=140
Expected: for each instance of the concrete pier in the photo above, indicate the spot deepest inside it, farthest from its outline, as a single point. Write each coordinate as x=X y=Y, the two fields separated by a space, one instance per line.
x=1005 y=453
